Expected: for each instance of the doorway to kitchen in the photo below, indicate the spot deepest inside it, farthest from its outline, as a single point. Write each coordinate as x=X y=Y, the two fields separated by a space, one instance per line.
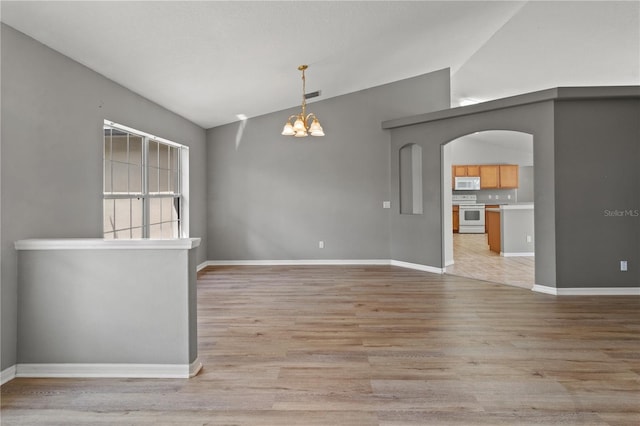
x=488 y=207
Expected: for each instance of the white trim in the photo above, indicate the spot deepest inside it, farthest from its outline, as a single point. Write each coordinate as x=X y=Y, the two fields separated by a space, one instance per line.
x=544 y=289
x=101 y=244
x=417 y=266
x=195 y=367
x=328 y=262
x=184 y=191
x=295 y=262
x=7 y=374
x=518 y=254
x=201 y=266
x=525 y=206
x=143 y=134
x=587 y=291
x=146 y=371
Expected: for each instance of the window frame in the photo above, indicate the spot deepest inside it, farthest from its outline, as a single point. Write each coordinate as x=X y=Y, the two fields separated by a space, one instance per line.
x=180 y=192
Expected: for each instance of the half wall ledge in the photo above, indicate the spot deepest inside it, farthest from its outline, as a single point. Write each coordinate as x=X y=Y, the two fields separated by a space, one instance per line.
x=107 y=308
x=101 y=244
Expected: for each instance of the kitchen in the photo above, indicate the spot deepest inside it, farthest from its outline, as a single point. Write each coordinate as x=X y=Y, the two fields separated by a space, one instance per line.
x=491 y=207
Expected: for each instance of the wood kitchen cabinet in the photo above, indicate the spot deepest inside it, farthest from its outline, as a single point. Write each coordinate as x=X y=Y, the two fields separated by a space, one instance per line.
x=493 y=231
x=486 y=215
x=473 y=170
x=467 y=170
x=508 y=176
x=456 y=218
x=492 y=176
x=489 y=176
x=459 y=171
x=495 y=176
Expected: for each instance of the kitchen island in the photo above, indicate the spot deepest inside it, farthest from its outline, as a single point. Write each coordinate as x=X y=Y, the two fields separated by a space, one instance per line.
x=510 y=229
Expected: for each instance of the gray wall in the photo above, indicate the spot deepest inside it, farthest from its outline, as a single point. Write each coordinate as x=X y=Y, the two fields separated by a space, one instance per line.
x=515 y=226
x=106 y=306
x=587 y=188
x=598 y=170
x=52 y=114
x=419 y=238
x=276 y=197
x=470 y=150
x=526 y=189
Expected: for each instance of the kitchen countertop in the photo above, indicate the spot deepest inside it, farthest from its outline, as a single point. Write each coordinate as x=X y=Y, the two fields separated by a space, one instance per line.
x=519 y=206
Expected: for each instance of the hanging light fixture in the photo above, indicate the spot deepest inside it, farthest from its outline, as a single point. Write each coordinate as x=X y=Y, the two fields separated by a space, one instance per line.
x=298 y=125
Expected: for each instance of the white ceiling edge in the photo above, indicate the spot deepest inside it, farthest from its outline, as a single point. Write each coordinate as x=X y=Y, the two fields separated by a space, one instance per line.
x=210 y=61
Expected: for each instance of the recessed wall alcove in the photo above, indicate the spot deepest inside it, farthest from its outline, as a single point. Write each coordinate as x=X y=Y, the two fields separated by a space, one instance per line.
x=411 y=179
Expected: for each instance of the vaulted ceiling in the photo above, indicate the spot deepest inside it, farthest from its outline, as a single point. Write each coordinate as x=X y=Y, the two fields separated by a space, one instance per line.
x=211 y=60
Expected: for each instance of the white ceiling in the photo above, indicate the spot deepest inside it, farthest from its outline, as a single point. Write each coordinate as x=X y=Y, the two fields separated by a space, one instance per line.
x=211 y=60
x=502 y=140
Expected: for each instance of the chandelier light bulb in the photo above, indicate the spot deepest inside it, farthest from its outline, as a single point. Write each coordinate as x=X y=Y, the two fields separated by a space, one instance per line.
x=316 y=129
x=299 y=124
x=288 y=130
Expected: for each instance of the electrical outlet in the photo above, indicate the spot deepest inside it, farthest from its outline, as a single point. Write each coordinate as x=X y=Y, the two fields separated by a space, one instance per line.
x=529 y=239
x=386 y=204
x=623 y=265
x=320 y=244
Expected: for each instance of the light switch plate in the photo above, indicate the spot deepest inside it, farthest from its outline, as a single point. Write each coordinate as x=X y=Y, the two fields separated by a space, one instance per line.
x=386 y=204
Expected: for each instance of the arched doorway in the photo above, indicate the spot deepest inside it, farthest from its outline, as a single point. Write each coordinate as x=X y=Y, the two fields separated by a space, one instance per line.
x=501 y=208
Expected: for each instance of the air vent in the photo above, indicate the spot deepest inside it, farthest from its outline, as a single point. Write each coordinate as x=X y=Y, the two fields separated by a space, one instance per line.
x=312 y=94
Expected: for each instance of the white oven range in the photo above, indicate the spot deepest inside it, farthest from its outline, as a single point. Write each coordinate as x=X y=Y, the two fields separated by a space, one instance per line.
x=471 y=214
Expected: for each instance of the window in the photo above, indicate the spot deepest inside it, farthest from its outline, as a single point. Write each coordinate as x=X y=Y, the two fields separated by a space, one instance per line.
x=144 y=185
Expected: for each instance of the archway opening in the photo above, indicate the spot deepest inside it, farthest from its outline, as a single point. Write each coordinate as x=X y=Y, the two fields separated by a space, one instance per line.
x=488 y=206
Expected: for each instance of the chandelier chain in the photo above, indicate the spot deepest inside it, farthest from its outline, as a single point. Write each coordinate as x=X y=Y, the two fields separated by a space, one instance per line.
x=304 y=98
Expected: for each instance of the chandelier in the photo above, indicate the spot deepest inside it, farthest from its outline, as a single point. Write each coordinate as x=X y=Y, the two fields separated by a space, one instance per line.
x=298 y=125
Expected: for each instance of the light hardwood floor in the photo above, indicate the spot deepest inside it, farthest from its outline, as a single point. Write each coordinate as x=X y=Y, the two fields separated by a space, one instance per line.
x=473 y=259
x=375 y=345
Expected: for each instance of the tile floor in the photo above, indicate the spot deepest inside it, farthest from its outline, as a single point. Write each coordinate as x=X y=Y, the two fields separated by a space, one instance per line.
x=473 y=259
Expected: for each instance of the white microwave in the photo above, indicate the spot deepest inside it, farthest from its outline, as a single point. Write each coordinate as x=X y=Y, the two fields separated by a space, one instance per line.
x=467 y=183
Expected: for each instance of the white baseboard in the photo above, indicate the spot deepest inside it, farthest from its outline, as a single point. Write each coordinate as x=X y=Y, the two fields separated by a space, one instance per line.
x=146 y=371
x=587 y=291
x=596 y=291
x=296 y=262
x=417 y=266
x=7 y=374
x=544 y=289
x=195 y=367
x=518 y=254
x=408 y=265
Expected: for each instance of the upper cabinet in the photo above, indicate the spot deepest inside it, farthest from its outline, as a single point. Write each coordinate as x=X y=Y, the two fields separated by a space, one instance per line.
x=508 y=176
x=489 y=177
x=492 y=176
x=459 y=171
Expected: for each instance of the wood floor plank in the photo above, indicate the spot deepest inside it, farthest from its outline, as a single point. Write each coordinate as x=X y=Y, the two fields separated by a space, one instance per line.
x=372 y=345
